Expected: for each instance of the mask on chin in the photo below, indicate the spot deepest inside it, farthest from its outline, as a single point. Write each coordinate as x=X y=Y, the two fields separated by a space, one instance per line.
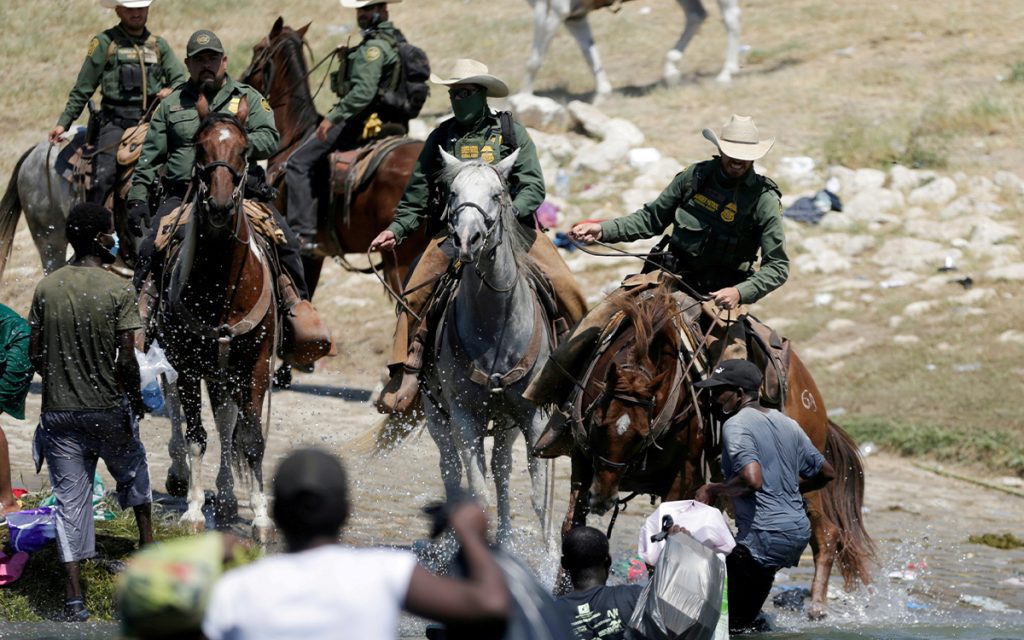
x=470 y=109
x=109 y=254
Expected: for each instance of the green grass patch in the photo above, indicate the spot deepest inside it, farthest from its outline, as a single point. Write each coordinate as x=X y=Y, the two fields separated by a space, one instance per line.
x=856 y=142
x=997 y=541
x=1016 y=73
x=999 y=449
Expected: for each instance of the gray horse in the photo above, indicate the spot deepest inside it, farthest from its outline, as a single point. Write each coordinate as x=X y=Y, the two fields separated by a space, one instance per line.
x=46 y=199
x=490 y=338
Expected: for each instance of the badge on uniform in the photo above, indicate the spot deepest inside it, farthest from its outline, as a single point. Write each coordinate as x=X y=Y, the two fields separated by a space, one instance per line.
x=372 y=53
x=92 y=47
x=233 y=105
x=487 y=154
x=729 y=213
x=265 y=104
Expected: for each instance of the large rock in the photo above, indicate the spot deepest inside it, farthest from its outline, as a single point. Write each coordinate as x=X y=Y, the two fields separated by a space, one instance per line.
x=538 y=112
x=864 y=179
x=866 y=205
x=906 y=180
x=1013 y=272
x=969 y=205
x=913 y=253
x=928 y=229
x=935 y=194
x=989 y=232
x=1009 y=182
x=822 y=261
x=797 y=171
x=633 y=199
x=589 y=117
x=560 y=146
x=658 y=175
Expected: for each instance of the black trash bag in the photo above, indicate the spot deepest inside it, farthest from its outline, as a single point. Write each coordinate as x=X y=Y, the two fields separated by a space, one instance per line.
x=683 y=600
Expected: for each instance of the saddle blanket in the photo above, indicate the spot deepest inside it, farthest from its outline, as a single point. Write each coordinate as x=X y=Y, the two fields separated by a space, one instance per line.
x=260 y=215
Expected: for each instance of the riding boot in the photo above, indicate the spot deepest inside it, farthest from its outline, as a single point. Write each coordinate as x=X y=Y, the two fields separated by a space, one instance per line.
x=401 y=391
x=556 y=439
x=306 y=337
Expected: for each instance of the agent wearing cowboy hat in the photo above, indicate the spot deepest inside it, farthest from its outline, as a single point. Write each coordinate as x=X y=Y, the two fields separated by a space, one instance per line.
x=132 y=68
x=723 y=215
x=367 y=68
x=474 y=133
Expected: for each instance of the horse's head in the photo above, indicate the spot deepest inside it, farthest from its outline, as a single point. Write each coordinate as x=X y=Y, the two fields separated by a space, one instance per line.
x=478 y=198
x=637 y=403
x=278 y=50
x=221 y=147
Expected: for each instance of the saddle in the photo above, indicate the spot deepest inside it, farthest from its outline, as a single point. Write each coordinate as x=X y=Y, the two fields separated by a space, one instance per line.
x=259 y=214
x=72 y=163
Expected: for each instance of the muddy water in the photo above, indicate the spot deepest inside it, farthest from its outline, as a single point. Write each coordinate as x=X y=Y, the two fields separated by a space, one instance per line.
x=941 y=586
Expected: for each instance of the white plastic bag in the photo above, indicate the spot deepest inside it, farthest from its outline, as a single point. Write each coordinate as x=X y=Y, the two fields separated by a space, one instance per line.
x=153 y=363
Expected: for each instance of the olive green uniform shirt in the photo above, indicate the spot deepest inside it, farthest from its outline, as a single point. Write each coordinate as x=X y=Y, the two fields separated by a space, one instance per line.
x=112 y=64
x=79 y=312
x=169 y=141
x=484 y=142
x=15 y=366
x=367 y=66
x=718 y=228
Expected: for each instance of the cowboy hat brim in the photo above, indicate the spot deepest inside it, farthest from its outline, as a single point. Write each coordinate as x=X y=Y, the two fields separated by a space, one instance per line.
x=496 y=88
x=749 y=151
x=127 y=4
x=359 y=4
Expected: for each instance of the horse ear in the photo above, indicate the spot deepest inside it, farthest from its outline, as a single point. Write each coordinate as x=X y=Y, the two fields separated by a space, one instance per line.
x=303 y=29
x=448 y=159
x=243 y=109
x=202 y=107
x=276 y=29
x=504 y=167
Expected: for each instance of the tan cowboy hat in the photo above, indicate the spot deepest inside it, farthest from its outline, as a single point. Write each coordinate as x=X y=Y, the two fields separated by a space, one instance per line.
x=359 y=4
x=740 y=139
x=127 y=4
x=468 y=71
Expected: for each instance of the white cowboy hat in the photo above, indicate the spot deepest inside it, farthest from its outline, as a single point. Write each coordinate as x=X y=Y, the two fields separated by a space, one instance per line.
x=359 y=4
x=127 y=4
x=468 y=71
x=740 y=139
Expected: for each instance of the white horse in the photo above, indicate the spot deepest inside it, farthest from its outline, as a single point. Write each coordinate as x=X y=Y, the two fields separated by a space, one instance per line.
x=492 y=335
x=548 y=14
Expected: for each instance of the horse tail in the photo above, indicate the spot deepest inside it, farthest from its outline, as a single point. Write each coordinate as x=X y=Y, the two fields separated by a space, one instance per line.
x=387 y=435
x=10 y=211
x=843 y=500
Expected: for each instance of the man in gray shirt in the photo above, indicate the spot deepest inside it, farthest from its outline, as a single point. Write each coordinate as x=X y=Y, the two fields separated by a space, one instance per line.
x=768 y=462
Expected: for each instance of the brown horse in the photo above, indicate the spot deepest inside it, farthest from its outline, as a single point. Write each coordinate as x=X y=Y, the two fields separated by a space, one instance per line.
x=639 y=427
x=278 y=70
x=218 y=323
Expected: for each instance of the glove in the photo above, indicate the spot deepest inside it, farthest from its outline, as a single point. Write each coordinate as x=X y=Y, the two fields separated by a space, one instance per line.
x=138 y=213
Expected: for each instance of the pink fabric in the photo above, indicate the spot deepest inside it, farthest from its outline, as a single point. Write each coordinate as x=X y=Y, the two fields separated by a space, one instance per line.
x=11 y=567
x=704 y=523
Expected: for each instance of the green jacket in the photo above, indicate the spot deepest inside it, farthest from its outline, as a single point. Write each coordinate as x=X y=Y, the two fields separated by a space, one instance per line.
x=484 y=141
x=112 y=64
x=367 y=68
x=175 y=122
x=718 y=228
x=15 y=367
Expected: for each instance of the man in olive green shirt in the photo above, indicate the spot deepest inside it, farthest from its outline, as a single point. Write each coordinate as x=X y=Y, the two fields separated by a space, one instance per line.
x=169 y=144
x=474 y=133
x=366 y=69
x=723 y=216
x=83 y=321
x=132 y=68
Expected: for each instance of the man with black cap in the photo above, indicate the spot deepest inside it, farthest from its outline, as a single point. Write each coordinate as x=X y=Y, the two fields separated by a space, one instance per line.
x=132 y=68
x=322 y=589
x=169 y=145
x=767 y=462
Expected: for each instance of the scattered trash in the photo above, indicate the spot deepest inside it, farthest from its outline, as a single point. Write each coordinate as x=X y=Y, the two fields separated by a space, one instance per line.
x=643 y=157
x=892 y=284
x=867 y=449
x=987 y=604
x=562 y=183
x=949 y=264
x=791 y=598
x=152 y=365
x=966 y=282
x=563 y=241
x=914 y=605
x=823 y=299
x=965 y=368
x=547 y=214
x=911 y=572
x=11 y=567
x=31 y=530
x=812 y=209
x=644 y=11
x=99 y=491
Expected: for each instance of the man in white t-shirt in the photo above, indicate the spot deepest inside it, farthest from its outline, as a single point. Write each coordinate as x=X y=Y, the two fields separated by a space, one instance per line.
x=321 y=589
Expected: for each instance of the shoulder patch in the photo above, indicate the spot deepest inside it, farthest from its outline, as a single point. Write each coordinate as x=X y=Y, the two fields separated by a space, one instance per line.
x=95 y=42
x=372 y=53
x=264 y=104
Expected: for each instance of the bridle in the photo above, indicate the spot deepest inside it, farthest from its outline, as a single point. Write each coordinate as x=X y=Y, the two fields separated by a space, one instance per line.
x=494 y=228
x=204 y=171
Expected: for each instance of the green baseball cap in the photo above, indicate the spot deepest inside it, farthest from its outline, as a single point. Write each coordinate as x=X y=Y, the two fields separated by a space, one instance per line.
x=203 y=40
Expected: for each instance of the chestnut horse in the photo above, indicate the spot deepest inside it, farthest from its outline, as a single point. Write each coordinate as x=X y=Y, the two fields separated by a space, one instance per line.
x=218 y=323
x=278 y=70
x=639 y=427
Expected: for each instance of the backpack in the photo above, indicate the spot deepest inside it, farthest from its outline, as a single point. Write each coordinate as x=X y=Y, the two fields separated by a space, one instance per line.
x=407 y=91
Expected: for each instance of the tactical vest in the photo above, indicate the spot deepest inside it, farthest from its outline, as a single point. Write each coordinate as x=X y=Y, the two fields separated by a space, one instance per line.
x=341 y=79
x=123 y=79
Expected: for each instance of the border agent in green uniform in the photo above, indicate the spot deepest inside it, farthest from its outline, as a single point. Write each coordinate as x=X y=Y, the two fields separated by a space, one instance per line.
x=169 y=144
x=475 y=132
x=128 y=86
x=365 y=71
x=722 y=214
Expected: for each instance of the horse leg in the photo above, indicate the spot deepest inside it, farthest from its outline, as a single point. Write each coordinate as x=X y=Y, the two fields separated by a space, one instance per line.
x=580 y=30
x=731 y=20
x=177 y=473
x=695 y=14
x=547 y=16
x=225 y=415
x=195 y=438
x=251 y=444
x=505 y=433
x=466 y=428
x=824 y=542
x=539 y=470
x=441 y=432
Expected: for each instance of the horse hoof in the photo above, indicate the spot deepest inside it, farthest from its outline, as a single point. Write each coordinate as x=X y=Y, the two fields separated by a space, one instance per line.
x=263 y=534
x=176 y=485
x=816 y=611
x=194 y=521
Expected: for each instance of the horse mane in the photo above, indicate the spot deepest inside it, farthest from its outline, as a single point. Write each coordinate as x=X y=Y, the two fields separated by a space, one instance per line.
x=291 y=46
x=650 y=315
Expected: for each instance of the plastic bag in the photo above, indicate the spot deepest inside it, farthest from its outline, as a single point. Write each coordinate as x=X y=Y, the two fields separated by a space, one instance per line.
x=683 y=600
x=31 y=530
x=706 y=524
x=152 y=364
